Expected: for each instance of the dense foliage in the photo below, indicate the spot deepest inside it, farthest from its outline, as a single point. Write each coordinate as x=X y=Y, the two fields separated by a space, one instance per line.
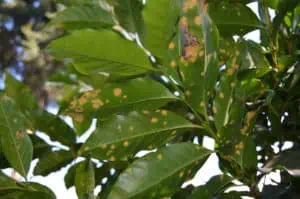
x=157 y=77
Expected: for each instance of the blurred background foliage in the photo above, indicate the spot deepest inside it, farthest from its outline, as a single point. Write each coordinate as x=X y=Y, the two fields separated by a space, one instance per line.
x=24 y=34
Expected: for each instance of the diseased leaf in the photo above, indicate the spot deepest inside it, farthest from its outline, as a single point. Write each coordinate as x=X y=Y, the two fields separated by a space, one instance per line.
x=53 y=161
x=160 y=24
x=172 y=165
x=119 y=98
x=98 y=54
x=215 y=186
x=124 y=135
x=85 y=16
x=85 y=179
x=15 y=143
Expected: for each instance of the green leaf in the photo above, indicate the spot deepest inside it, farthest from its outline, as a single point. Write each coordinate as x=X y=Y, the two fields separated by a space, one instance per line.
x=85 y=179
x=40 y=147
x=118 y=98
x=129 y=14
x=233 y=18
x=55 y=128
x=212 y=188
x=160 y=25
x=9 y=189
x=80 y=17
x=171 y=164
x=94 y=52
x=15 y=143
x=211 y=69
x=289 y=160
x=53 y=161
x=124 y=135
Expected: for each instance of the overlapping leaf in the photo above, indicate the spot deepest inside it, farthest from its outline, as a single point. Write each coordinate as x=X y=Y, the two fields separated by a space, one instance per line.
x=53 y=161
x=15 y=143
x=85 y=16
x=172 y=165
x=160 y=24
x=212 y=188
x=124 y=135
x=95 y=52
x=119 y=97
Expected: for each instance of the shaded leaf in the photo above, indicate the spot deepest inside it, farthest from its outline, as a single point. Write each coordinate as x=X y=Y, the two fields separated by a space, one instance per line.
x=52 y=162
x=55 y=128
x=215 y=186
x=15 y=143
x=289 y=160
x=124 y=135
x=85 y=179
x=171 y=165
x=40 y=147
x=80 y=17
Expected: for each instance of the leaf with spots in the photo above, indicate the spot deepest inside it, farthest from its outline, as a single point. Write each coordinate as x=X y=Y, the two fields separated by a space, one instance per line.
x=85 y=16
x=15 y=143
x=55 y=128
x=129 y=14
x=160 y=21
x=119 y=98
x=53 y=161
x=172 y=165
x=85 y=179
x=211 y=70
x=93 y=52
x=215 y=186
x=225 y=93
x=233 y=18
x=125 y=135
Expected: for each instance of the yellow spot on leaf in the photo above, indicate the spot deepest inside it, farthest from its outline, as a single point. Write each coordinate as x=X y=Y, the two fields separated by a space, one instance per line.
x=97 y=103
x=154 y=120
x=125 y=143
x=146 y=112
x=197 y=20
x=125 y=97
x=112 y=158
x=20 y=134
x=164 y=113
x=188 y=93
x=181 y=174
x=165 y=123
x=171 y=45
x=160 y=156
x=131 y=128
x=202 y=104
x=117 y=92
x=221 y=95
x=103 y=146
x=173 y=64
x=112 y=147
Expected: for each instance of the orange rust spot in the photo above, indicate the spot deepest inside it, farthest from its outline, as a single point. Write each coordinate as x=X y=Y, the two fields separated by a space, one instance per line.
x=97 y=103
x=171 y=45
x=77 y=117
x=154 y=120
x=230 y=72
x=20 y=134
x=201 y=53
x=164 y=112
x=125 y=143
x=173 y=64
x=117 y=92
x=189 y=4
x=197 y=20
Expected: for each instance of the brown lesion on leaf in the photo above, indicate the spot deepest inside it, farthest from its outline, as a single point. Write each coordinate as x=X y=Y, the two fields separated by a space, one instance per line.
x=78 y=117
x=154 y=120
x=173 y=64
x=249 y=117
x=171 y=45
x=197 y=20
x=189 y=4
x=117 y=92
x=19 y=134
x=97 y=103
